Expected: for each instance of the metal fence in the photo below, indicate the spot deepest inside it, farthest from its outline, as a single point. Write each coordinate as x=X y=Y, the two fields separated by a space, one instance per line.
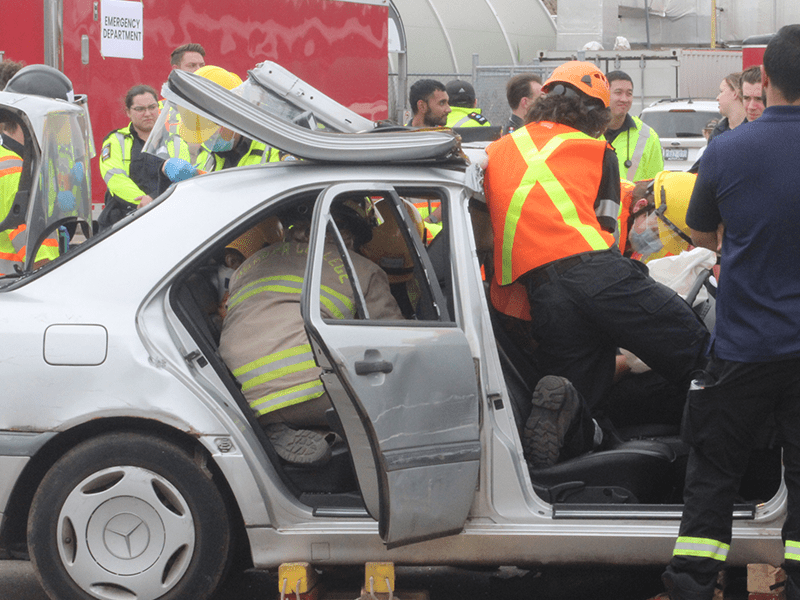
x=489 y=83
x=656 y=74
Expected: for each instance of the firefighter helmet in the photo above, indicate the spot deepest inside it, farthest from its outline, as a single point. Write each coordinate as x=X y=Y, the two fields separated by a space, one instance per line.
x=41 y=80
x=219 y=76
x=672 y=191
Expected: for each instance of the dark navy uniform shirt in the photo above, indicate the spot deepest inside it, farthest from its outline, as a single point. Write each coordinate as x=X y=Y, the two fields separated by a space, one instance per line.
x=749 y=180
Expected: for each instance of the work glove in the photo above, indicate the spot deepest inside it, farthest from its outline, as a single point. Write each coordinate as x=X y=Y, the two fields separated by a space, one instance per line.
x=76 y=174
x=177 y=169
x=66 y=201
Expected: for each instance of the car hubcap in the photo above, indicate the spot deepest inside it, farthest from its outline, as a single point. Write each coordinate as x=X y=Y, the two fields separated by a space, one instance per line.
x=125 y=532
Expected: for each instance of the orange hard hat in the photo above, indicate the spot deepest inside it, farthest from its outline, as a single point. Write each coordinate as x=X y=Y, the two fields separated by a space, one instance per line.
x=584 y=77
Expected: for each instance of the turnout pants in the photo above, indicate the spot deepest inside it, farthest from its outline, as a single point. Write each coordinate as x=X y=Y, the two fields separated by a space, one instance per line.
x=722 y=419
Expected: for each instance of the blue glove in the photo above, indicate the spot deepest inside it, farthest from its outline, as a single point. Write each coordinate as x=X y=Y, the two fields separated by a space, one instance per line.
x=66 y=200
x=76 y=174
x=178 y=169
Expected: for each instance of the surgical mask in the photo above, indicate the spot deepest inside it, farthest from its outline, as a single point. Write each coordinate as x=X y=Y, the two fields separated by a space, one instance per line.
x=645 y=243
x=222 y=145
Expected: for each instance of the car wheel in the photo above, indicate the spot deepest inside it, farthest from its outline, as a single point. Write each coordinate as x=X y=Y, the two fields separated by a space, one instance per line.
x=128 y=515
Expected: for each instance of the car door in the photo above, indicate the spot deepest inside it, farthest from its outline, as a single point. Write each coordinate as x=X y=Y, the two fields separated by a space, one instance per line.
x=405 y=391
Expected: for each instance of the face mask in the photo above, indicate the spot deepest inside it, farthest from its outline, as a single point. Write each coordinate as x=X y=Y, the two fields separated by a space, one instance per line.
x=645 y=243
x=222 y=145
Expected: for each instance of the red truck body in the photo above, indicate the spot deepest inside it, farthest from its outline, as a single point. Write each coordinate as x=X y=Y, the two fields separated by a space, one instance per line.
x=339 y=47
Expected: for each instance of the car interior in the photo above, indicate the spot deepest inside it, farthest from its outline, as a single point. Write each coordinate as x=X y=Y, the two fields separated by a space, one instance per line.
x=645 y=467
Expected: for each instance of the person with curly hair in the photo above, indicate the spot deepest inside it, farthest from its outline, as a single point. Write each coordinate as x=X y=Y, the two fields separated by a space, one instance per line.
x=553 y=193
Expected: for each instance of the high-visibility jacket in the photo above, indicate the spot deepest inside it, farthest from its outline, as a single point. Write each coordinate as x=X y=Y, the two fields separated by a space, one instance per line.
x=115 y=162
x=640 y=145
x=541 y=184
x=257 y=153
x=466 y=117
x=425 y=209
x=13 y=242
x=263 y=340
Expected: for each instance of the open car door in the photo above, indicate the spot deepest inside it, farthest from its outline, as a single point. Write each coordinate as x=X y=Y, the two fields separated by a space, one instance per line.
x=405 y=391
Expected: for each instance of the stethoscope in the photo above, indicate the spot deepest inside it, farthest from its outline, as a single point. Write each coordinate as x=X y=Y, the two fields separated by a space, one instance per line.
x=628 y=162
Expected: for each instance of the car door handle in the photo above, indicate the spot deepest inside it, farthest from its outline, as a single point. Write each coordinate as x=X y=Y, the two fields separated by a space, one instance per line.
x=365 y=367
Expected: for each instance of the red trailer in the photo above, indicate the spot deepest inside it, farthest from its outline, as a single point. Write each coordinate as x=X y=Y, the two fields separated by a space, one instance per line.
x=339 y=47
x=753 y=49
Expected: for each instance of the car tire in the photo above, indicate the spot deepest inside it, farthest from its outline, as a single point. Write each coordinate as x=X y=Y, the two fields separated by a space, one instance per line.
x=129 y=515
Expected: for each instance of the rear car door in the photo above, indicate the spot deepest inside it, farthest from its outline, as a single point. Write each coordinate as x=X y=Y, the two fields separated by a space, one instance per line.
x=405 y=391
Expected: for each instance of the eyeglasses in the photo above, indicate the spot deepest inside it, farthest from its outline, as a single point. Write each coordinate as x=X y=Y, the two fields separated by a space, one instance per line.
x=141 y=109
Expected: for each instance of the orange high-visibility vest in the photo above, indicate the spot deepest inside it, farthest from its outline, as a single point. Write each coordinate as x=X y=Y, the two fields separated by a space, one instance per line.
x=626 y=200
x=541 y=183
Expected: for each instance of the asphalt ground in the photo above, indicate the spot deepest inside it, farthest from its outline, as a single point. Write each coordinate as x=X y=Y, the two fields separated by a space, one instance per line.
x=18 y=582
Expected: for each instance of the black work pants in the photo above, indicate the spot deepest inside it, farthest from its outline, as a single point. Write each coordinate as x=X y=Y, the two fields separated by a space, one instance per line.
x=602 y=302
x=722 y=423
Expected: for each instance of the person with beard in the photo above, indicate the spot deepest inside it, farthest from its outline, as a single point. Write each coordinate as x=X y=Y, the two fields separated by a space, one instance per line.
x=430 y=104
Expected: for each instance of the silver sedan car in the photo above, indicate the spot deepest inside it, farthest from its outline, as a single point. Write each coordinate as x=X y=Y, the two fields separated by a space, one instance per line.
x=131 y=465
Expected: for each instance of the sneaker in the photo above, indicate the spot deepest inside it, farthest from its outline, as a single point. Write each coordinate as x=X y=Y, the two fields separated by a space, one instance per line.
x=555 y=405
x=300 y=446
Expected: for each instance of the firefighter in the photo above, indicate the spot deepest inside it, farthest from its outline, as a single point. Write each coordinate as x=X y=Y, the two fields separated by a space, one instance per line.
x=552 y=189
x=264 y=341
x=225 y=148
x=36 y=80
x=10 y=170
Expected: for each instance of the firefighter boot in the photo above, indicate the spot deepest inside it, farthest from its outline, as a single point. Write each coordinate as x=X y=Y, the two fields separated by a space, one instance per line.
x=682 y=586
x=559 y=426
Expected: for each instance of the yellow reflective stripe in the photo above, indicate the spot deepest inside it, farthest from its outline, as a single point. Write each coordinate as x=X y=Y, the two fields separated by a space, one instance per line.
x=304 y=360
x=539 y=172
x=314 y=389
x=281 y=289
x=301 y=349
x=291 y=284
x=337 y=304
x=337 y=312
x=701 y=548
x=791 y=550
x=277 y=373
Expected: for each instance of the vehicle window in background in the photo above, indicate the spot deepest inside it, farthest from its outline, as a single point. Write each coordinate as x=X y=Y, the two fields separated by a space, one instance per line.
x=678 y=123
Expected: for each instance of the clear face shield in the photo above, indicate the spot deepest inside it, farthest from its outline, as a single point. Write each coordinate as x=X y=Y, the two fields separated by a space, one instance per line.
x=178 y=127
x=643 y=236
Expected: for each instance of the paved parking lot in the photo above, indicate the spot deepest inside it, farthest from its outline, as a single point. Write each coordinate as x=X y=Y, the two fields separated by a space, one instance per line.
x=18 y=582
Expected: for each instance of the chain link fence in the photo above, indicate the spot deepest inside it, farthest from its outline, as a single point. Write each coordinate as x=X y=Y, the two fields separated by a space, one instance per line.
x=489 y=83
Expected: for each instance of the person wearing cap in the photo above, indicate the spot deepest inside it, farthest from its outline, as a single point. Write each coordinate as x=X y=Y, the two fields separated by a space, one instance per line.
x=264 y=341
x=552 y=189
x=637 y=144
x=744 y=205
x=464 y=111
x=132 y=177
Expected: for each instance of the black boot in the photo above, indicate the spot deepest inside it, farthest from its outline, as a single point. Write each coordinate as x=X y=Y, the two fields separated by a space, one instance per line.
x=682 y=586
